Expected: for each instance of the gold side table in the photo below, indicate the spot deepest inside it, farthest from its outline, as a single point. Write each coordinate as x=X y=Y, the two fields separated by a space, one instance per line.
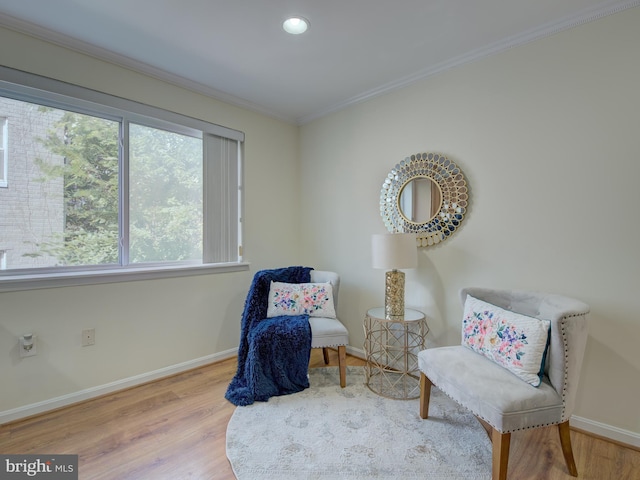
x=391 y=347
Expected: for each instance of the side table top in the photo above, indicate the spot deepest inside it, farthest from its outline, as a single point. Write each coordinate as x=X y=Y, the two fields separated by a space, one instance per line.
x=410 y=315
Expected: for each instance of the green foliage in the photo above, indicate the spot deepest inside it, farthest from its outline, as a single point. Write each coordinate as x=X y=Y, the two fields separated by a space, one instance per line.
x=165 y=196
x=165 y=193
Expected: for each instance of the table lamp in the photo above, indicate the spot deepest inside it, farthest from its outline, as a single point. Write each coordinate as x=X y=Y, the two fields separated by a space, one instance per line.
x=394 y=251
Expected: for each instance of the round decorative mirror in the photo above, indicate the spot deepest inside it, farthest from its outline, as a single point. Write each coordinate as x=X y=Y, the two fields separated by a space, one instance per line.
x=427 y=194
x=420 y=200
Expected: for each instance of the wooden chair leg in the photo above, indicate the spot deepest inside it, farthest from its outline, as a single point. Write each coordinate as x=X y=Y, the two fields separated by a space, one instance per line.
x=487 y=428
x=500 y=455
x=325 y=355
x=342 y=363
x=425 y=395
x=567 y=451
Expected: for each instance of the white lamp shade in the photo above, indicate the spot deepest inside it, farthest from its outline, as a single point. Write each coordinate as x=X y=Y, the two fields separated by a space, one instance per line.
x=394 y=250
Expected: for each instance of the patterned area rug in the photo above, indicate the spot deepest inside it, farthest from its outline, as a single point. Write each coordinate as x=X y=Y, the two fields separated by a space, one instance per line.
x=326 y=432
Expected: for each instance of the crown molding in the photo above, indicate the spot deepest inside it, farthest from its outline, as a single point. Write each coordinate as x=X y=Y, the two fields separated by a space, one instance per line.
x=586 y=16
x=103 y=54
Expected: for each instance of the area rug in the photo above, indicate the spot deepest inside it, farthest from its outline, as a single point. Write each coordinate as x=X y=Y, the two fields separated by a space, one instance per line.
x=326 y=432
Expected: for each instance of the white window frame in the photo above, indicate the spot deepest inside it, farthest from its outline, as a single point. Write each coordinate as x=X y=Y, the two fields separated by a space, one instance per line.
x=4 y=152
x=228 y=142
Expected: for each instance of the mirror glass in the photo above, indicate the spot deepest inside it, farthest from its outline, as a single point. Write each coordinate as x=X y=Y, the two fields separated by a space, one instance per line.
x=425 y=194
x=420 y=200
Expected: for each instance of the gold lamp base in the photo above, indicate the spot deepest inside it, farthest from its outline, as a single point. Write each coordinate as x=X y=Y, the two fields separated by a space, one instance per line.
x=394 y=294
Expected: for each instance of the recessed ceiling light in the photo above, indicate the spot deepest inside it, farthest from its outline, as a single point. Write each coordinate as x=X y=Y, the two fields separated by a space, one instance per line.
x=295 y=25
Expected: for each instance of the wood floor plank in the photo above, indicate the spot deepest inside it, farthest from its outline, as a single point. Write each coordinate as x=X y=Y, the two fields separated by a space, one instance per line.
x=174 y=428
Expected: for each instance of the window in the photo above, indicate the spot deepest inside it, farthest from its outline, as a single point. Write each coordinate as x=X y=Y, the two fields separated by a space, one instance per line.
x=104 y=187
x=3 y=152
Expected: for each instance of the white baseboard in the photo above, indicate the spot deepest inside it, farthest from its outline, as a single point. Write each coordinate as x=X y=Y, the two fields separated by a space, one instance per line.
x=607 y=431
x=596 y=428
x=601 y=429
x=71 y=398
x=356 y=352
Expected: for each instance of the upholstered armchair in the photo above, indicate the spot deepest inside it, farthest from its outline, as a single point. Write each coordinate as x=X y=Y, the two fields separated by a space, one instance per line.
x=504 y=399
x=330 y=332
x=283 y=318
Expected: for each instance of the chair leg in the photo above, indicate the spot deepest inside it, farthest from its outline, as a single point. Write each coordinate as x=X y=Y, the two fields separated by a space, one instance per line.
x=487 y=428
x=500 y=456
x=325 y=355
x=567 y=451
x=425 y=395
x=342 y=363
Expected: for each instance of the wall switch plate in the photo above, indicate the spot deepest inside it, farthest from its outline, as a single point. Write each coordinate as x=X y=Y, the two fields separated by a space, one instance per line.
x=88 y=337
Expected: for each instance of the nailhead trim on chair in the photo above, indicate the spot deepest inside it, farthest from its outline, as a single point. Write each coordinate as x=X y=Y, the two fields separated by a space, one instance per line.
x=566 y=356
x=564 y=388
x=566 y=370
x=480 y=416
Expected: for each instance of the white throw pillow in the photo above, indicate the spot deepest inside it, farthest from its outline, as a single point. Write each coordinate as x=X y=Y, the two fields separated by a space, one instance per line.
x=513 y=341
x=313 y=299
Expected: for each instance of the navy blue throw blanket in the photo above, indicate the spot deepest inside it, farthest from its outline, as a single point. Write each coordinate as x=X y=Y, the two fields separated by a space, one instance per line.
x=273 y=356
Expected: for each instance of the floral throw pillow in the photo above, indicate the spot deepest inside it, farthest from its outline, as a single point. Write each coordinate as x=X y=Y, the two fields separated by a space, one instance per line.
x=513 y=341
x=313 y=299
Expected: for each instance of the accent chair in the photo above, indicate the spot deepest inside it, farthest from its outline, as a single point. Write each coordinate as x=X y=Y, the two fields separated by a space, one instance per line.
x=502 y=401
x=330 y=332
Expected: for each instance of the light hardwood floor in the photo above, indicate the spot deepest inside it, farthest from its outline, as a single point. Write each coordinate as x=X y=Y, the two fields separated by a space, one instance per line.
x=174 y=429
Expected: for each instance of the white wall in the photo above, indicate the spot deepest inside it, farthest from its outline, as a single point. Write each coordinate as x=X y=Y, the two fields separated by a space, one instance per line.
x=180 y=320
x=548 y=137
x=546 y=134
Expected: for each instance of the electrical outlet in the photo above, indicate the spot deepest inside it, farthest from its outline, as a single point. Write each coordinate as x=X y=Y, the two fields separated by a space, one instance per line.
x=28 y=345
x=88 y=337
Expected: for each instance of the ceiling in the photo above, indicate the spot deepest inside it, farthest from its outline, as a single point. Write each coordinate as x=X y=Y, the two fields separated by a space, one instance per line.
x=236 y=50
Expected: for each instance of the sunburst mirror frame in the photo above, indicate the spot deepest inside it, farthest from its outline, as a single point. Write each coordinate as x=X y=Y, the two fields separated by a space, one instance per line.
x=454 y=197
